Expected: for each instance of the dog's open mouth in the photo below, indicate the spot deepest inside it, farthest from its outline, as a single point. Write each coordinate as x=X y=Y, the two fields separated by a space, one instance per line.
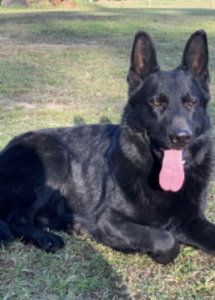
x=171 y=177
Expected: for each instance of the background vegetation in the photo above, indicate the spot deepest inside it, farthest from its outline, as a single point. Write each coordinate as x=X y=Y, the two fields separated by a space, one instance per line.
x=62 y=68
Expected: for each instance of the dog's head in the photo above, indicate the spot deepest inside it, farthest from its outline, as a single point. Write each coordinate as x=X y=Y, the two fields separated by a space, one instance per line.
x=171 y=107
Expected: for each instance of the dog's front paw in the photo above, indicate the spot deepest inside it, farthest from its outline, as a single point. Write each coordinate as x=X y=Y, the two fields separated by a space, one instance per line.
x=166 y=249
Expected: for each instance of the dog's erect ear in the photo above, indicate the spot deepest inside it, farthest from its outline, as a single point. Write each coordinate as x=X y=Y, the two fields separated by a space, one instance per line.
x=143 y=60
x=195 y=57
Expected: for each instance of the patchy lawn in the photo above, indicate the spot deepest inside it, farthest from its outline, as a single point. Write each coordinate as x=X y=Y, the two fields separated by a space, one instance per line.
x=62 y=68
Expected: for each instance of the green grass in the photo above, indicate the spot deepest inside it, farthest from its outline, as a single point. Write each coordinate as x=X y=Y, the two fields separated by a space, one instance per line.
x=71 y=66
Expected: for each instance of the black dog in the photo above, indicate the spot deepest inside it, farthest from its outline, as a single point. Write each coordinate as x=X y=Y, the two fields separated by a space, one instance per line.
x=140 y=186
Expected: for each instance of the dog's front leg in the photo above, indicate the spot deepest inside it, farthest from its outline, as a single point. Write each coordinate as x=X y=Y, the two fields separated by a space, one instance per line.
x=123 y=235
x=199 y=233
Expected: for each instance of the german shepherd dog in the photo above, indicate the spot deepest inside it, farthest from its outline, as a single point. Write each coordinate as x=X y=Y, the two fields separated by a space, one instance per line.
x=139 y=186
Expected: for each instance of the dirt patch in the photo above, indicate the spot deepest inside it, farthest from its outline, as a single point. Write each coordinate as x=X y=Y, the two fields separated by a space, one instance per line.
x=88 y=45
x=56 y=106
x=10 y=105
x=68 y=4
x=3 y=38
x=82 y=45
x=92 y=45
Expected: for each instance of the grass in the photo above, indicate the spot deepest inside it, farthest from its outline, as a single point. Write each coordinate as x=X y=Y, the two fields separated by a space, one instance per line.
x=62 y=68
x=161 y=4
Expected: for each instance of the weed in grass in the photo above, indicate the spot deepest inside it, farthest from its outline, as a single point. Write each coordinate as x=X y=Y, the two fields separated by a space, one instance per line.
x=78 y=120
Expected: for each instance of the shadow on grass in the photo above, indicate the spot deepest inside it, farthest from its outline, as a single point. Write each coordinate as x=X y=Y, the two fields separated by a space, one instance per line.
x=62 y=27
x=113 y=14
x=77 y=272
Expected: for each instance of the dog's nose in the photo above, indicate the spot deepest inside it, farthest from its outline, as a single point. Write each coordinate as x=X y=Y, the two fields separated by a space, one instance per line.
x=180 y=137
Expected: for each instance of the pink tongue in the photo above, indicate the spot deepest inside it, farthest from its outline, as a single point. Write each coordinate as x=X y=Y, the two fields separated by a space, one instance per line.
x=172 y=173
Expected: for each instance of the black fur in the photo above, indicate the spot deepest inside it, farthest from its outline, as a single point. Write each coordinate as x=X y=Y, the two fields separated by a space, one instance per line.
x=102 y=180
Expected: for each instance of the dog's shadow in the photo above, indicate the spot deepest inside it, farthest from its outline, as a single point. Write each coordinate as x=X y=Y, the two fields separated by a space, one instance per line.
x=77 y=272
x=93 y=276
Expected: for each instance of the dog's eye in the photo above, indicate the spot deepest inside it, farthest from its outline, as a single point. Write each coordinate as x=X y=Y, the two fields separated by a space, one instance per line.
x=191 y=103
x=156 y=103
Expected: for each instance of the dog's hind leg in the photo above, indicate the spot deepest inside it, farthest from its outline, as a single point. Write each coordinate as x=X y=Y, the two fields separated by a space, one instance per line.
x=5 y=233
x=120 y=234
x=58 y=223
x=22 y=226
x=42 y=239
x=33 y=168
